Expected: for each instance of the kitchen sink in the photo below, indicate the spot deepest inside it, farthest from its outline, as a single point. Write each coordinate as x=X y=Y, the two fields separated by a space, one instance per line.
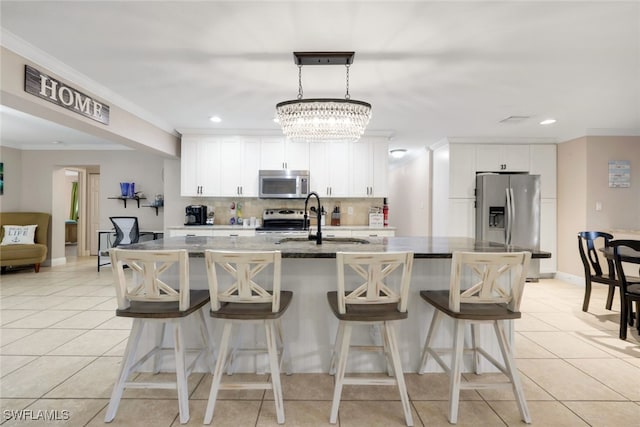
x=343 y=240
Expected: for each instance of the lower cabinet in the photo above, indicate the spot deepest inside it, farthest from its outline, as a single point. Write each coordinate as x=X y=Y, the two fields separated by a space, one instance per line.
x=548 y=234
x=190 y=232
x=211 y=232
x=373 y=233
x=234 y=233
x=336 y=233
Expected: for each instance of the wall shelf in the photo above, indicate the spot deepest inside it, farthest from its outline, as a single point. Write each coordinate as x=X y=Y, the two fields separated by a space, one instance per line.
x=137 y=199
x=153 y=206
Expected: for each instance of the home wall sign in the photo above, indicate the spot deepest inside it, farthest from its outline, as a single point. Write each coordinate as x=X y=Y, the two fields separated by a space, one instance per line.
x=46 y=87
x=619 y=174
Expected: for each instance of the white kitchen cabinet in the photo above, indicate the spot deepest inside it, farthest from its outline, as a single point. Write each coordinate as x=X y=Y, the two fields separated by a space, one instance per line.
x=238 y=167
x=502 y=158
x=329 y=169
x=543 y=163
x=199 y=174
x=369 y=167
x=281 y=153
x=373 y=232
x=461 y=218
x=234 y=233
x=336 y=233
x=462 y=171
x=548 y=233
x=190 y=232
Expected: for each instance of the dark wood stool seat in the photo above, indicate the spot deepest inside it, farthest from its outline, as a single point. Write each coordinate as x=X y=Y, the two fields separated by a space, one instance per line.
x=494 y=311
x=257 y=311
x=165 y=310
x=365 y=313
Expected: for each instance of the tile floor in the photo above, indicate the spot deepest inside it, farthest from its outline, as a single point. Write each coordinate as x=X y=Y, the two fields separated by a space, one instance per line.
x=60 y=348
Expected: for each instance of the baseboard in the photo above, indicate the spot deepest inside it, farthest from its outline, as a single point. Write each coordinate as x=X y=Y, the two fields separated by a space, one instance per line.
x=58 y=261
x=570 y=278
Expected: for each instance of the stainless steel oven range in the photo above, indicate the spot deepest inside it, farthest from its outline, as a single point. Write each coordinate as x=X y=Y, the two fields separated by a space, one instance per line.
x=282 y=221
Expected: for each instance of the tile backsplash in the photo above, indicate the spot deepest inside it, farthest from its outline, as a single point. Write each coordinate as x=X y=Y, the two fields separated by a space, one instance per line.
x=254 y=207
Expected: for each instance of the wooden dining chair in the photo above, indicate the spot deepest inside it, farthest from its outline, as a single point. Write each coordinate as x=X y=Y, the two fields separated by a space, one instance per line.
x=380 y=300
x=245 y=301
x=154 y=293
x=627 y=251
x=494 y=299
x=593 y=272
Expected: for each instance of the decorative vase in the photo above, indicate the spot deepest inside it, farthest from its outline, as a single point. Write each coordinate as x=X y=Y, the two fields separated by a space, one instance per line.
x=124 y=189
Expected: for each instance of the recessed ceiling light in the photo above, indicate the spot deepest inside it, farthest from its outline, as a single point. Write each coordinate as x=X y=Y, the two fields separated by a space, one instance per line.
x=56 y=142
x=215 y=119
x=548 y=121
x=398 y=153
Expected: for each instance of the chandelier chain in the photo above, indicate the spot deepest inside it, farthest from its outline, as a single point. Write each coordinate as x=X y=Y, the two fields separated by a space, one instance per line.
x=347 y=96
x=300 y=81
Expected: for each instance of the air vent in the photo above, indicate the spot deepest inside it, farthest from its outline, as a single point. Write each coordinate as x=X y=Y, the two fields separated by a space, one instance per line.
x=515 y=119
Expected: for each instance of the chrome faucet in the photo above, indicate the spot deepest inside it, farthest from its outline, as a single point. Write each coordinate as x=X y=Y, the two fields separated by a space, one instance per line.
x=318 y=235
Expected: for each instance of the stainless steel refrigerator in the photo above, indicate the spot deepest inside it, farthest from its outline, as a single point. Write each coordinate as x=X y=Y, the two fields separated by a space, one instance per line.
x=508 y=211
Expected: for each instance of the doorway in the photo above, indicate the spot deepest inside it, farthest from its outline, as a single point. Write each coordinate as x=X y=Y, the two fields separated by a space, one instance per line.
x=79 y=206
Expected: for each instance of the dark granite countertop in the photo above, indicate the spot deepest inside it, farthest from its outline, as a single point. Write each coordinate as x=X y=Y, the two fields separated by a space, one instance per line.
x=422 y=247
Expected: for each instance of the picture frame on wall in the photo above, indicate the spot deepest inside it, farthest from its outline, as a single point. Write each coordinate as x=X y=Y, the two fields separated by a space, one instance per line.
x=1 y=178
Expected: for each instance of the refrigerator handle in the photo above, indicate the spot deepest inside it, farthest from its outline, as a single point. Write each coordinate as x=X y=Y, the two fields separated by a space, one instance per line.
x=513 y=214
x=507 y=229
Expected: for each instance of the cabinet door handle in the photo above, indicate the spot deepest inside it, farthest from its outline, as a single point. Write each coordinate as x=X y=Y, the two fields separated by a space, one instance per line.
x=241 y=189
x=233 y=235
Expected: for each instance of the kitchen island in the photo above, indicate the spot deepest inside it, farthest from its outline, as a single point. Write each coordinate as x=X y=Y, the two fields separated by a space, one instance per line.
x=309 y=271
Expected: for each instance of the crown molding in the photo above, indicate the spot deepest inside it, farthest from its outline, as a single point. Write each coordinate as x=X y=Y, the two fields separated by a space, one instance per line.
x=62 y=70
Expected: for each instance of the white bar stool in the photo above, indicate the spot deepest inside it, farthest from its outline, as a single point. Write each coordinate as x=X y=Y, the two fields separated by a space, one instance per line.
x=378 y=301
x=145 y=295
x=247 y=302
x=490 y=300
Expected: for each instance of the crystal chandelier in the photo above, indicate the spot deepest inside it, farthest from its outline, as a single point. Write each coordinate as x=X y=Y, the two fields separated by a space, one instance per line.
x=323 y=119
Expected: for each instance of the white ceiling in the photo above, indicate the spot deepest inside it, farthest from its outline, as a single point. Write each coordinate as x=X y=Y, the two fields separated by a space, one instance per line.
x=430 y=69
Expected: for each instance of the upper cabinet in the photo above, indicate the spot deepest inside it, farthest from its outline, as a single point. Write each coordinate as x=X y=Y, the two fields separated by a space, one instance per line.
x=228 y=166
x=330 y=169
x=198 y=175
x=238 y=167
x=502 y=158
x=215 y=166
x=543 y=163
x=280 y=153
x=462 y=175
x=369 y=167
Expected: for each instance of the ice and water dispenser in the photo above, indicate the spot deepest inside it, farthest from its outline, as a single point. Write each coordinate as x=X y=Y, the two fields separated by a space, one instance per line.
x=496 y=216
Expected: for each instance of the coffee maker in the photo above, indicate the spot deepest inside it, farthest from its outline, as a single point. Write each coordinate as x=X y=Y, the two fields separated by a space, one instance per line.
x=195 y=215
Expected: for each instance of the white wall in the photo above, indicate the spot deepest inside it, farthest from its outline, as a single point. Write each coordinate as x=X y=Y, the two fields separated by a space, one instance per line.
x=12 y=159
x=410 y=198
x=42 y=186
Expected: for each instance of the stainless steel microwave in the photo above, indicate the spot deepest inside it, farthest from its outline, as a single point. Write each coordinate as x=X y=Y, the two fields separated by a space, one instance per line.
x=283 y=184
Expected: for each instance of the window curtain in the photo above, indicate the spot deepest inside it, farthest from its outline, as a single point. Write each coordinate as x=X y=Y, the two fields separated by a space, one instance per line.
x=73 y=213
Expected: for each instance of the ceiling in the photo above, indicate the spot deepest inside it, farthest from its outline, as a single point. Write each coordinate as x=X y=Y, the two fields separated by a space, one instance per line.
x=430 y=69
